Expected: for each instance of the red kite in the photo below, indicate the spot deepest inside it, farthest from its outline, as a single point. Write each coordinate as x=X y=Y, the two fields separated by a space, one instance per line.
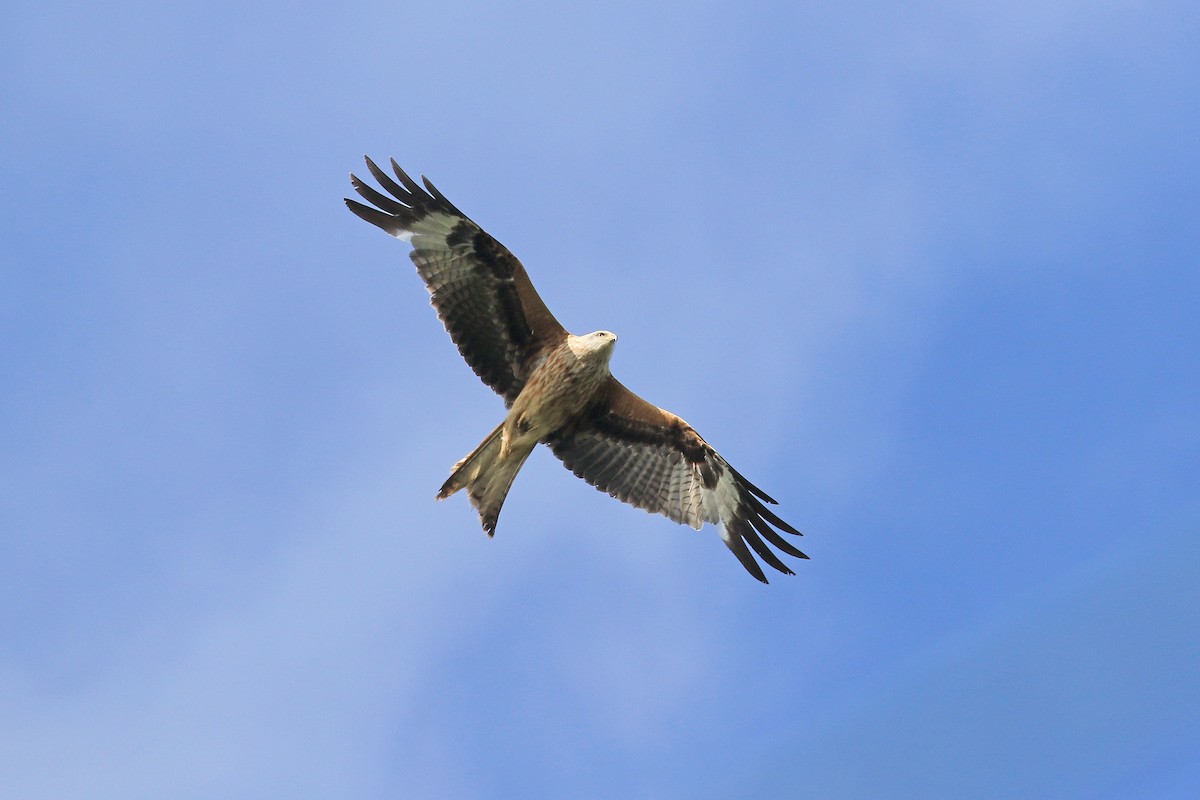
x=557 y=386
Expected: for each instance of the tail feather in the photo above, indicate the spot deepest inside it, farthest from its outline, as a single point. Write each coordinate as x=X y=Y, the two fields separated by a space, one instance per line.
x=487 y=477
x=469 y=468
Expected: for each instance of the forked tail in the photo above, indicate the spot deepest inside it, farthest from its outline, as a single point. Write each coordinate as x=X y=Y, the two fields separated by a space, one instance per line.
x=487 y=477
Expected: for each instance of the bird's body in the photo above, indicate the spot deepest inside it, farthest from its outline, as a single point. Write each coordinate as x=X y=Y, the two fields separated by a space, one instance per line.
x=562 y=386
x=558 y=387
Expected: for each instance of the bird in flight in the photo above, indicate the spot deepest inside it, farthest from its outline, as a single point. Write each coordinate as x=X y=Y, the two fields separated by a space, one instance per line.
x=557 y=386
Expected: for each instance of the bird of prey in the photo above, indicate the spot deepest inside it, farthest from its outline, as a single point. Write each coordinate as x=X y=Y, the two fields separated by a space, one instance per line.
x=557 y=386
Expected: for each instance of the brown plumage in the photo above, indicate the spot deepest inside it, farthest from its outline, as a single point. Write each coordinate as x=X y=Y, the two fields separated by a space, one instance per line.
x=558 y=388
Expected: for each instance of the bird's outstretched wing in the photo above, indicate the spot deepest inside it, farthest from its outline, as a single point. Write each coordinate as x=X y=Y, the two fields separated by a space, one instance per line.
x=480 y=290
x=652 y=459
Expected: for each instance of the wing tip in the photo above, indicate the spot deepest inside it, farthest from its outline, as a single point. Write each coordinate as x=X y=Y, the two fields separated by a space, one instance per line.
x=379 y=219
x=415 y=198
x=750 y=487
x=750 y=522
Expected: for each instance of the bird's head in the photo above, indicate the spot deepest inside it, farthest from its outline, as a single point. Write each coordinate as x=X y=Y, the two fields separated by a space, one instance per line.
x=599 y=343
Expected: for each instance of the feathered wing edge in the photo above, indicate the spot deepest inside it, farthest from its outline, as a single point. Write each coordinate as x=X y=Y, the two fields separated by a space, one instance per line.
x=653 y=460
x=408 y=204
x=751 y=520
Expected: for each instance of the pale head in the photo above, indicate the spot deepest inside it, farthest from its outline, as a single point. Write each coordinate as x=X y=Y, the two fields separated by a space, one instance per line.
x=593 y=345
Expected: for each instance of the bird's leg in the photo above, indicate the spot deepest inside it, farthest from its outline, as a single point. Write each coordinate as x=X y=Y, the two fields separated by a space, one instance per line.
x=515 y=428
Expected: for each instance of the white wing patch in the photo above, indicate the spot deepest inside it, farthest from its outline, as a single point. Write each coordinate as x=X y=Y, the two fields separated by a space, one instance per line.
x=430 y=231
x=721 y=503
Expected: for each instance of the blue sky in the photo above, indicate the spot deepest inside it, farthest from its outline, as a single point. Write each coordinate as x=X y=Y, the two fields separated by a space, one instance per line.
x=927 y=273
